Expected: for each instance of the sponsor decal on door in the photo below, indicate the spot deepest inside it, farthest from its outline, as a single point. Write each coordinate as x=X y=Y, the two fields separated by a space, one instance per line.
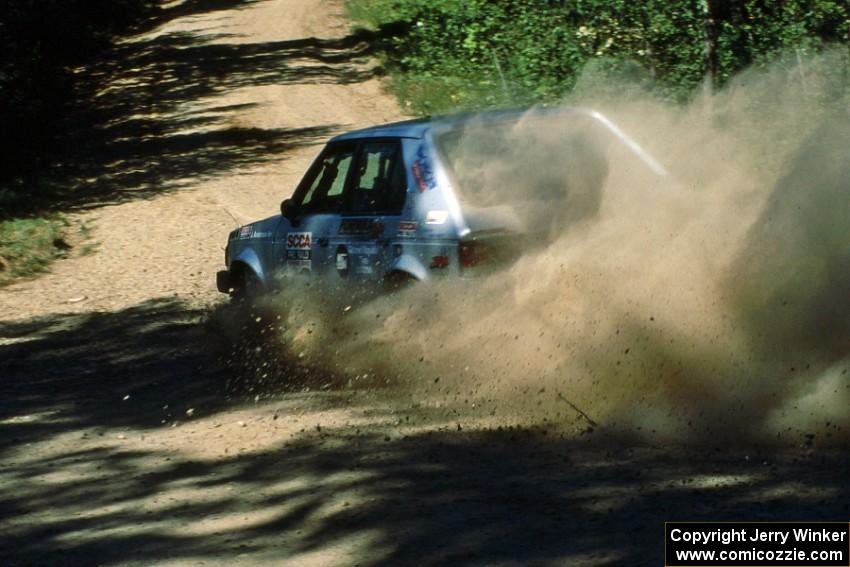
x=299 y=240
x=298 y=255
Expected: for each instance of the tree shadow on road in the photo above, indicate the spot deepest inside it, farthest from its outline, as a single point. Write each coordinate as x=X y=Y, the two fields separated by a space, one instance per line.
x=74 y=371
x=140 y=367
x=400 y=484
x=145 y=121
x=490 y=497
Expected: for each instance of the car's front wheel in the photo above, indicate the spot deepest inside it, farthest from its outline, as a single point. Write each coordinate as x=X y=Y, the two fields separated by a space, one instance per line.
x=246 y=285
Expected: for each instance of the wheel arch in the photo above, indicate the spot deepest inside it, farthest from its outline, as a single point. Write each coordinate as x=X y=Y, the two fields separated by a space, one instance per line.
x=409 y=266
x=247 y=259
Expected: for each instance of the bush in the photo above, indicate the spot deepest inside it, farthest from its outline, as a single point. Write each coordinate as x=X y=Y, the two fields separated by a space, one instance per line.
x=470 y=54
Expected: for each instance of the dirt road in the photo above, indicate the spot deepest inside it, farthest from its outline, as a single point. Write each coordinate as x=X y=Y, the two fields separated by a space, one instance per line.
x=128 y=439
x=231 y=105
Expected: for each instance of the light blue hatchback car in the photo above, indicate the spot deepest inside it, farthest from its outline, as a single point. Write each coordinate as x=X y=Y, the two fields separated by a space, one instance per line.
x=428 y=198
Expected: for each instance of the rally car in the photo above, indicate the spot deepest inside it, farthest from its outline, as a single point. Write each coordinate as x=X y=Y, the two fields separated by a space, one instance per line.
x=429 y=198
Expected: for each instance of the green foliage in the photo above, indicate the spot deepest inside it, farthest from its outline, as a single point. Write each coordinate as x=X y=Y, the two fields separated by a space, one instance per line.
x=28 y=246
x=468 y=54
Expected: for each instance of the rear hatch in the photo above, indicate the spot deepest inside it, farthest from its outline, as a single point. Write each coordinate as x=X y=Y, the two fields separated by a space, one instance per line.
x=521 y=179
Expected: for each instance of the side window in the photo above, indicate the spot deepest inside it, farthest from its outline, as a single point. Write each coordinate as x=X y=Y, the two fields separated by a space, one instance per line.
x=379 y=184
x=322 y=189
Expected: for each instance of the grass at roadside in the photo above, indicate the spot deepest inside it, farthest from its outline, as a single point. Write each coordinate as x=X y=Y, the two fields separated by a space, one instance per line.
x=28 y=246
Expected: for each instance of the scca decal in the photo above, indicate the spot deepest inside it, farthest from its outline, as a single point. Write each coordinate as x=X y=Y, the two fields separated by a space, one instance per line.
x=299 y=240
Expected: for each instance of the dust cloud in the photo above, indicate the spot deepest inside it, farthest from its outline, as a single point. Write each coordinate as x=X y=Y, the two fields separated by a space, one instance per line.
x=710 y=304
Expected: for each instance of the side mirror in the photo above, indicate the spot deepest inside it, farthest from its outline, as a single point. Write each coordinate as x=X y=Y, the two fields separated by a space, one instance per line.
x=288 y=209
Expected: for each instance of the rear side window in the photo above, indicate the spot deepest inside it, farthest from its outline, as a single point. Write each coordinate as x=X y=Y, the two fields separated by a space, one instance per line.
x=379 y=184
x=549 y=162
x=323 y=188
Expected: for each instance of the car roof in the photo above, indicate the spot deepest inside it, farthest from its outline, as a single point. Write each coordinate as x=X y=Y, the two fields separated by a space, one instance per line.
x=406 y=129
x=416 y=128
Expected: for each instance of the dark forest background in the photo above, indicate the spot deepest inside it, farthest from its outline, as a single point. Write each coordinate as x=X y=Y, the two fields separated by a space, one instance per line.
x=45 y=45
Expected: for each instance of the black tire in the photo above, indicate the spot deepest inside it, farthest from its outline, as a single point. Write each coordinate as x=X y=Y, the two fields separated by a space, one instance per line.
x=398 y=281
x=246 y=286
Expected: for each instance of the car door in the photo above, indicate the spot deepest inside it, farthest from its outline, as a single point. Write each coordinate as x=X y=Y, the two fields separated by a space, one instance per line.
x=370 y=213
x=303 y=243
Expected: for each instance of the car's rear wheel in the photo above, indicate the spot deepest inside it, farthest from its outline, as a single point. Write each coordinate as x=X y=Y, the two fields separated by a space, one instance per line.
x=397 y=281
